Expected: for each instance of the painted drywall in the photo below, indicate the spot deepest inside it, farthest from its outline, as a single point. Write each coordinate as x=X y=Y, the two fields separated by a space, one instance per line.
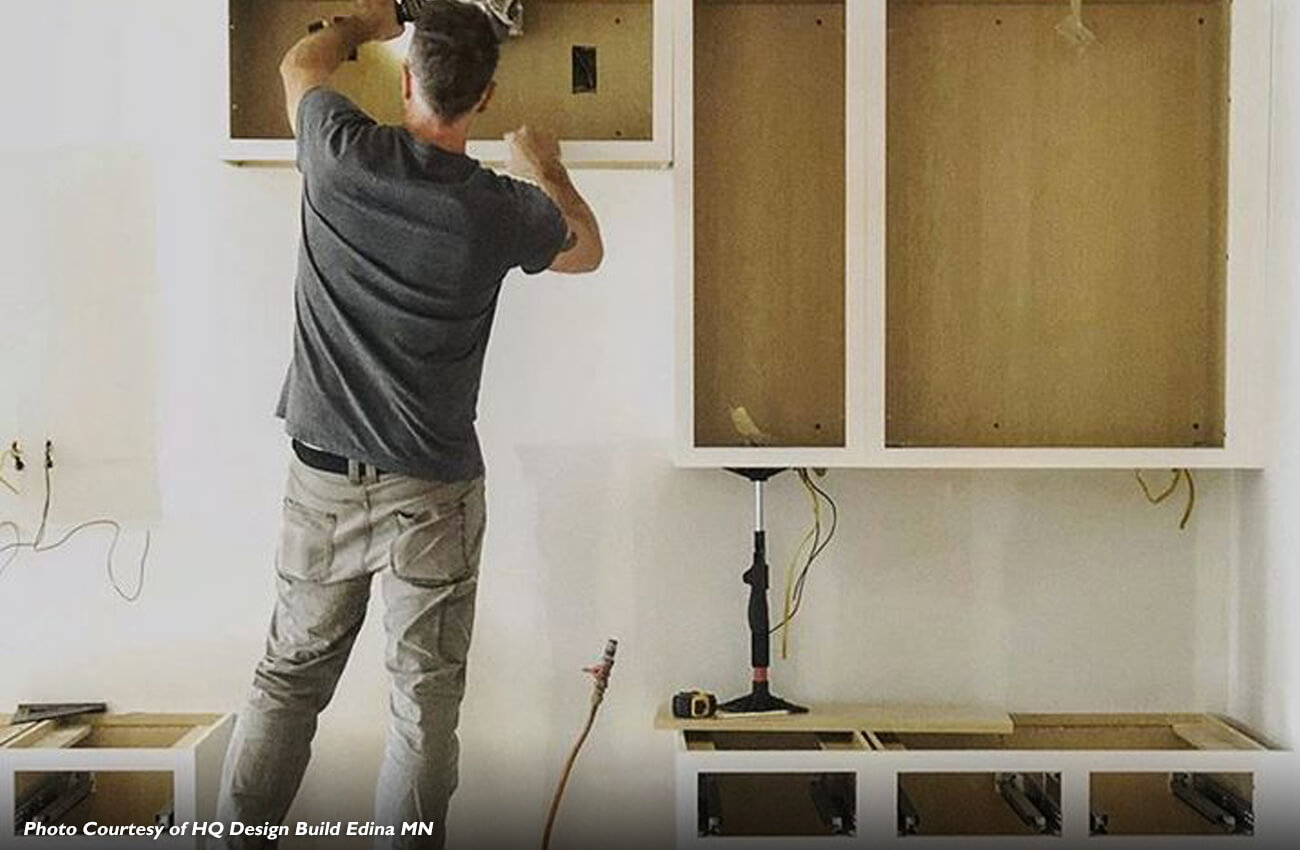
x=1039 y=590
x=1267 y=678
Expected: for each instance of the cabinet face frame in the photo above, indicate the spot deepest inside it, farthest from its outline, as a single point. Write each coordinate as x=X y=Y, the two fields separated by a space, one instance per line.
x=1249 y=326
x=877 y=776
x=1200 y=743
x=657 y=152
x=192 y=752
x=859 y=180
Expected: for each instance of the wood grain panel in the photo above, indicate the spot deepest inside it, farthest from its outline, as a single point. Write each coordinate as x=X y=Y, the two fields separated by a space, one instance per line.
x=765 y=805
x=1142 y=804
x=961 y=804
x=119 y=798
x=1056 y=226
x=769 y=221
x=534 y=79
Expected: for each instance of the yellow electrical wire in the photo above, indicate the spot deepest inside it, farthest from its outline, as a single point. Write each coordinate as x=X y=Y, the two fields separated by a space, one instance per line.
x=789 y=592
x=1179 y=475
x=808 y=539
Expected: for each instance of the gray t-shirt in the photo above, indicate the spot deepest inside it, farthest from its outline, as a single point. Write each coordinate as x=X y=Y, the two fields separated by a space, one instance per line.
x=404 y=247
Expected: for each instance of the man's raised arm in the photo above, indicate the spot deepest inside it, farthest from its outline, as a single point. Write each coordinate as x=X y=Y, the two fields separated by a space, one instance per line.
x=311 y=61
x=537 y=156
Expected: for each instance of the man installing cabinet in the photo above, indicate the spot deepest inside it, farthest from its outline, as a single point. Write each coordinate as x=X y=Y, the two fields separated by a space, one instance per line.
x=405 y=242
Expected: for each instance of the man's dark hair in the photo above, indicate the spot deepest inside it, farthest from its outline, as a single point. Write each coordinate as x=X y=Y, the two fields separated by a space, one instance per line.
x=453 y=56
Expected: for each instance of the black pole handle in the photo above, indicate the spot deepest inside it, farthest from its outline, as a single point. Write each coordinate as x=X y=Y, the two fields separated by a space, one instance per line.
x=759 y=625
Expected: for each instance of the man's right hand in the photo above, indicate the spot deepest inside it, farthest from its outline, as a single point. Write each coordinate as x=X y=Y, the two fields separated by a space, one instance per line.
x=534 y=154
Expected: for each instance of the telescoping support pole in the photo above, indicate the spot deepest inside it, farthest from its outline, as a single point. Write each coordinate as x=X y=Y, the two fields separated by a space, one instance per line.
x=760 y=699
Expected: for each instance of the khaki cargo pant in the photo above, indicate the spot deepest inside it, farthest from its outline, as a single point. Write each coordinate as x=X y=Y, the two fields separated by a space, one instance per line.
x=423 y=539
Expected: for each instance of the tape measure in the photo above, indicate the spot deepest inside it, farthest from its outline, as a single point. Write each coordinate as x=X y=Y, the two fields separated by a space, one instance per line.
x=694 y=705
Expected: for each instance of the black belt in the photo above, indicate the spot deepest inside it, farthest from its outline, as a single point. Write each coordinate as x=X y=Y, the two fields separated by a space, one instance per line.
x=328 y=461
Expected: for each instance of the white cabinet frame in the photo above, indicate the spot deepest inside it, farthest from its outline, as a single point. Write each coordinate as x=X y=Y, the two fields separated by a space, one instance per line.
x=876 y=775
x=194 y=762
x=1249 y=324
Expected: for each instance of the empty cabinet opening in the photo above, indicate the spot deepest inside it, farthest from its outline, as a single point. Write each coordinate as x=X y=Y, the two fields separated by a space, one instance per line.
x=1172 y=804
x=108 y=798
x=774 y=741
x=769 y=202
x=1056 y=246
x=535 y=79
x=102 y=736
x=777 y=804
x=979 y=804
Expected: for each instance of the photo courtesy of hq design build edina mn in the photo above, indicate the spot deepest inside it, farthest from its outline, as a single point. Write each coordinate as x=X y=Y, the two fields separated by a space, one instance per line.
x=220 y=829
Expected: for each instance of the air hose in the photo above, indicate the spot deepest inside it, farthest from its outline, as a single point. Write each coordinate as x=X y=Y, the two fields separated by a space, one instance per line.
x=599 y=672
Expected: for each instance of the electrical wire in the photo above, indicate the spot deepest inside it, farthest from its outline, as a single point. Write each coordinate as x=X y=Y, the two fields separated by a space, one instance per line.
x=816 y=553
x=810 y=538
x=819 y=546
x=5 y=456
x=810 y=542
x=37 y=544
x=1179 y=475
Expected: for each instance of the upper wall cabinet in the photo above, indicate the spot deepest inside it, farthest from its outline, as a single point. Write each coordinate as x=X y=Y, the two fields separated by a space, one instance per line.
x=768 y=222
x=597 y=73
x=936 y=233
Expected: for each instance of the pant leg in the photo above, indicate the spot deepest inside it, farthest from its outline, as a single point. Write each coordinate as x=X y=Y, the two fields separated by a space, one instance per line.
x=322 y=595
x=429 y=592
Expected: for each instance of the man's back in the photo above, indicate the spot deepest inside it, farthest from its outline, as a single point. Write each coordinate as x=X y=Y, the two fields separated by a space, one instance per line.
x=404 y=249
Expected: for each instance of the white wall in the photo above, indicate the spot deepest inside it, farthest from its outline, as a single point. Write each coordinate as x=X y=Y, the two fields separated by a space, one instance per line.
x=1266 y=687
x=164 y=277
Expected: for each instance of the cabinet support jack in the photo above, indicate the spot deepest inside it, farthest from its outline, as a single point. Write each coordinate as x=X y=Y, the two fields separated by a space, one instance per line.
x=760 y=699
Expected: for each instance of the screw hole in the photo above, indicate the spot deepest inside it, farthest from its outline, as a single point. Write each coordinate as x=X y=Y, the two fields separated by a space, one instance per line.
x=997 y=426
x=618 y=20
x=997 y=22
x=1196 y=426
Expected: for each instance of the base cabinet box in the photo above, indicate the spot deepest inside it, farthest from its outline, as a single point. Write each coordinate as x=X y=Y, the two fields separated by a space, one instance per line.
x=869 y=777
x=111 y=770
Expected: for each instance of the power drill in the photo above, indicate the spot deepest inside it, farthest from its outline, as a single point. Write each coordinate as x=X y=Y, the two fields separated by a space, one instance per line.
x=507 y=15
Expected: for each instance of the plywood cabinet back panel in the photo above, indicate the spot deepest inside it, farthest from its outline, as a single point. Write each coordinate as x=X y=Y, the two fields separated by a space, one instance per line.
x=769 y=208
x=1056 y=246
x=535 y=79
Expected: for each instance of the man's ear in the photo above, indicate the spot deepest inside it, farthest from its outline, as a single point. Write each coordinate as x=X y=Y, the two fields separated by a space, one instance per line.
x=487 y=97
x=408 y=82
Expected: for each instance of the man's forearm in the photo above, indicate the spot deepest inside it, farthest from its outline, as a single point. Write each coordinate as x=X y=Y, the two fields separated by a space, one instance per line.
x=555 y=182
x=312 y=61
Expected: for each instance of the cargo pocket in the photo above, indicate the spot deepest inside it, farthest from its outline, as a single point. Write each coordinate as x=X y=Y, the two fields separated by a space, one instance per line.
x=306 y=543
x=456 y=625
x=432 y=547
